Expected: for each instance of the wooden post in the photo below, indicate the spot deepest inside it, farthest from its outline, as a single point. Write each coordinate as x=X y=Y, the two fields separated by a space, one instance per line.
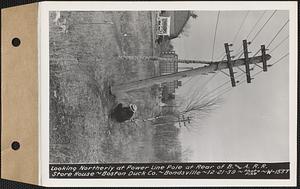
x=245 y=46
x=229 y=64
x=147 y=82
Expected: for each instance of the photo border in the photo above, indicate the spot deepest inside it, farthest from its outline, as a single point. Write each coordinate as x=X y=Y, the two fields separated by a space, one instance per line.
x=44 y=9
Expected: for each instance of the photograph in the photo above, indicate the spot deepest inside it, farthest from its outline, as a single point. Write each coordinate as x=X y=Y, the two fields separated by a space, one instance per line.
x=168 y=86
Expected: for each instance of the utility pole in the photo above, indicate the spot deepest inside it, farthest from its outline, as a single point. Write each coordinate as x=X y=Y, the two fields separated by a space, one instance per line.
x=214 y=66
x=164 y=59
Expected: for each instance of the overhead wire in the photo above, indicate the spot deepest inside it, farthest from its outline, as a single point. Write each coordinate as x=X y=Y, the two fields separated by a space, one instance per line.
x=267 y=45
x=263 y=26
x=256 y=23
x=253 y=27
x=218 y=87
x=214 y=42
x=272 y=40
x=255 y=36
x=227 y=89
x=277 y=34
x=250 y=32
x=258 y=32
x=240 y=28
x=279 y=44
x=274 y=37
x=240 y=83
x=212 y=57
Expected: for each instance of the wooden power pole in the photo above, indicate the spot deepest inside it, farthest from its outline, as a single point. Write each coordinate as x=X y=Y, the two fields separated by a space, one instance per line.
x=212 y=67
x=164 y=59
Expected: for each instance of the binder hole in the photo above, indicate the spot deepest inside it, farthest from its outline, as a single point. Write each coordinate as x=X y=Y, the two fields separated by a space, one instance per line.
x=15 y=145
x=16 y=42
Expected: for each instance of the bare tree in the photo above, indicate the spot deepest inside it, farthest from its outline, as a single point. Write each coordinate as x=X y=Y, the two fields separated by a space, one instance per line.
x=200 y=107
x=199 y=104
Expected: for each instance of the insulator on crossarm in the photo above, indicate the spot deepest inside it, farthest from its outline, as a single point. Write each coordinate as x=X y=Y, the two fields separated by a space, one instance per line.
x=252 y=78
x=270 y=65
x=249 y=42
x=230 y=45
x=237 y=81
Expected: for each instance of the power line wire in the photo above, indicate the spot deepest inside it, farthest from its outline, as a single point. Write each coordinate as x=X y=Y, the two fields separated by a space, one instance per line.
x=187 y=80
x=258 y=20
x=216 y=28
x=230 y=87
x=210 y=92
x=277 y=33
x=204 y=85
x=221 y=55
x=254 y=26
x=240 y=28
x=264 y=25
x=256 y=23
x=280 y=59
x=226 y=90
x=215 y=36
x=257 y=33
x=274 y=37
x=279 y=44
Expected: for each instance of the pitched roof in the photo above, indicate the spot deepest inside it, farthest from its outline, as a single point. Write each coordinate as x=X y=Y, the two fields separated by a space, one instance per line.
x=178 y=21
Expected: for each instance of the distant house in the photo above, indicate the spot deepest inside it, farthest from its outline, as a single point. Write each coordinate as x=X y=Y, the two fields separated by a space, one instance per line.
x=178 y=20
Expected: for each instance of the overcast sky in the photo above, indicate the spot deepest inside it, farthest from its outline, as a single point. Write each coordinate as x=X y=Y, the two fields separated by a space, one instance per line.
x=251 y=124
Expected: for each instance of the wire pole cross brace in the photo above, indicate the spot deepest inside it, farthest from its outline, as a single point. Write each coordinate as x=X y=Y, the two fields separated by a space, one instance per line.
x=245 y=47
x=229 y=64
